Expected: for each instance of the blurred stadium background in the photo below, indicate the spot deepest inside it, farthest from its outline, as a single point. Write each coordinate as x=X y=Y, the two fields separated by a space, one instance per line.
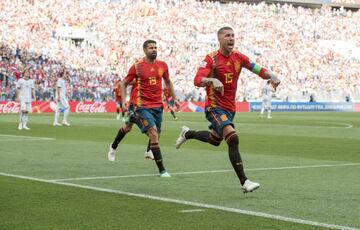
x=313 y=45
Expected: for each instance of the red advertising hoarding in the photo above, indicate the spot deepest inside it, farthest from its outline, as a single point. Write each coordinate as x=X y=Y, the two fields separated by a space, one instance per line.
x=100 y=107
x=357 y=107
x=49 y=106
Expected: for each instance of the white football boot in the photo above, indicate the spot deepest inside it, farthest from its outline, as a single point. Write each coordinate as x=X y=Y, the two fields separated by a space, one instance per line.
x=149 y=155
x=181 y=139
x=250 y=186
x=165 y=174
x=65 y=123
x=111 y=154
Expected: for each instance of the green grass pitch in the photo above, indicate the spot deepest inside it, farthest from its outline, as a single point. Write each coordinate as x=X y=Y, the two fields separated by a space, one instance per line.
x=308 y=165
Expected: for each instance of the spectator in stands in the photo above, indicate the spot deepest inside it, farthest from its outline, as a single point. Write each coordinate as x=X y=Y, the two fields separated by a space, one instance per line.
x=316 y=68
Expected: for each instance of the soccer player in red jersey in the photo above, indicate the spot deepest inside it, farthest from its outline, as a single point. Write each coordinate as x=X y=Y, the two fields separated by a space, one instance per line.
x=148 y=74
x=169 y=102
x=219 y=74
x=126 y=128
x=118 y=100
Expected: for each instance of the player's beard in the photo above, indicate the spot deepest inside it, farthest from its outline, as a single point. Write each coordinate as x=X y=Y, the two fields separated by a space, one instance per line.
x=152 y=56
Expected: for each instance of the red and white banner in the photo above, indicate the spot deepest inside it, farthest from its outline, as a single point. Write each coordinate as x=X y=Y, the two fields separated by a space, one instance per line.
x=92 y=107
x=9 y=107
x=110 y=107
x=100 y=107
x=49 y=106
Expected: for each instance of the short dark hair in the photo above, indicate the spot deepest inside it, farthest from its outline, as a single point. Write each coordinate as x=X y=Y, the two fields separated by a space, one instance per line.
x=147 y=42
x=221 y=30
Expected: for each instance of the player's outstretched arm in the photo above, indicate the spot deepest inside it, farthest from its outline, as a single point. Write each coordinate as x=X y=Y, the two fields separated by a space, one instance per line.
x=274 y=80
x=260 y=71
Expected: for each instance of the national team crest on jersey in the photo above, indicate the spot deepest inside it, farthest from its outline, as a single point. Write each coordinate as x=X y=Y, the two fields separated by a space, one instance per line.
x=223 y=117
x=161 y=71
x=237 y=66
x=146 y=123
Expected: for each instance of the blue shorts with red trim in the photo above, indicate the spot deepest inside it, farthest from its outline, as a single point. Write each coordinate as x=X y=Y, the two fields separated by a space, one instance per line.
x=219 y=118
x=146 y=118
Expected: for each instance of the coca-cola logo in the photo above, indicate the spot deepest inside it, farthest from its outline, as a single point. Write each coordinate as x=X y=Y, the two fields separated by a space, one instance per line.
x=10 y=107
x=91 y=107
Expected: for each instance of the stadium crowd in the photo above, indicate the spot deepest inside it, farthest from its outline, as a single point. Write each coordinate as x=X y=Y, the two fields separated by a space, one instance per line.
x=345 y=1
x=294 y=42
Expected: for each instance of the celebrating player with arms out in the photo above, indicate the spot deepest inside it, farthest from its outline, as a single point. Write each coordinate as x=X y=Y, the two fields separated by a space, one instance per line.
x=219 y=74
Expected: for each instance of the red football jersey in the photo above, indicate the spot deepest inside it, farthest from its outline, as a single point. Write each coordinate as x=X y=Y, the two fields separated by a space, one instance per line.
x=148 y=82
x=118 y=94
x=133 y=94
x=227 y=70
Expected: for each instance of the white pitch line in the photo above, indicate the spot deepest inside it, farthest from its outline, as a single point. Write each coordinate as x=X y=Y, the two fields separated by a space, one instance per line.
x=348 y=126
x=17 y=140
x=205 y=172
x=190 y=203
x=191 y=210
x=27 y=137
